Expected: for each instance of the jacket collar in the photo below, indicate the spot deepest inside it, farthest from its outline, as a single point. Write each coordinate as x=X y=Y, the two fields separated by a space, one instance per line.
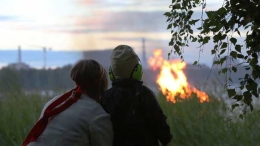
x=126 y=82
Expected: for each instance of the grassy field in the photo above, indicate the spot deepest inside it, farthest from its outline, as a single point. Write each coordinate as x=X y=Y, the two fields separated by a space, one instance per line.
x=209 y=124
x=192 y=123
x=18 y=114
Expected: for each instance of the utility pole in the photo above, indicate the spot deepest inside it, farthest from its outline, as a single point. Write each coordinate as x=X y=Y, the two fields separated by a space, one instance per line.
x=44 y=58
x=144 y=53
x=19 y=55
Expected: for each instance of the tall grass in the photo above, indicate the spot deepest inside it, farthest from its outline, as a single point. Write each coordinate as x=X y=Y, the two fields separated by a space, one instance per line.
x=207 y=124
x=192 y=123
x=18 y=112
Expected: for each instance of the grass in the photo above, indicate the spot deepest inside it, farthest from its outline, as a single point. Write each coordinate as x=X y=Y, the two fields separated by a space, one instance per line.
x=192 y=123
x=18 y=115
x=207 y=124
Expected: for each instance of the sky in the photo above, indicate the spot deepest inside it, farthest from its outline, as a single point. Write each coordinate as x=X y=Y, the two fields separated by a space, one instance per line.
x=78 y=25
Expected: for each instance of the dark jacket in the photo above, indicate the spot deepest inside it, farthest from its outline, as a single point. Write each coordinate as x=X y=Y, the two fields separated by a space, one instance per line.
x=136 y=116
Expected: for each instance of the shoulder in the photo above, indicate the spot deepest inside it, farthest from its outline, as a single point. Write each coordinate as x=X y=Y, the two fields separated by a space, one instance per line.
x=88 y=104
x=147 y=91
x=109 y=91
x=48 y=103
x=106 y=97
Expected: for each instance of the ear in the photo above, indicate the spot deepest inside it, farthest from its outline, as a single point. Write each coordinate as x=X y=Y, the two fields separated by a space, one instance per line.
x=111 y=75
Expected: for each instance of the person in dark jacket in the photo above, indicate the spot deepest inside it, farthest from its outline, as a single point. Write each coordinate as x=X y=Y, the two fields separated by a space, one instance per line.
x=137 y=118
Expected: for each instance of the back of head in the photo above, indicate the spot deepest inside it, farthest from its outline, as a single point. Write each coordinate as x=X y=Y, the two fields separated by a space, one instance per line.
x=90 y=76
x=125 y=63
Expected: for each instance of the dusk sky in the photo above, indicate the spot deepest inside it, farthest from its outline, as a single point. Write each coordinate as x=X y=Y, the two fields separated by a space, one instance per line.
x=87 y=24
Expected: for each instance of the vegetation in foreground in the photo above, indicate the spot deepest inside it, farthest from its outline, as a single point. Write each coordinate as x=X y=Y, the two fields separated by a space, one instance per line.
x=209 y=124
x=192 y=123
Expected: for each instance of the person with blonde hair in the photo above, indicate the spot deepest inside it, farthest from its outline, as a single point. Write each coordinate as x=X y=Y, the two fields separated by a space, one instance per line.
x=76 y=118
x=137 y=117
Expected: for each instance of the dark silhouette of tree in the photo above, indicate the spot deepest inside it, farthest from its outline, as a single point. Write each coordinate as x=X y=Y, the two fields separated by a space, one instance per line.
x=221 y=27
x=10 y=82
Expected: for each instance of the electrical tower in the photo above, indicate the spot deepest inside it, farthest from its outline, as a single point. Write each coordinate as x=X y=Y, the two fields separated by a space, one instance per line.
x=144 y=53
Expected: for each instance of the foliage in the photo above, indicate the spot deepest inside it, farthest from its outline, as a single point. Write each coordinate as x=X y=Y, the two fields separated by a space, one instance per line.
x=193 y=123
x=10 y=82
x=18 y=114
x=221 y=26
x=35 y=79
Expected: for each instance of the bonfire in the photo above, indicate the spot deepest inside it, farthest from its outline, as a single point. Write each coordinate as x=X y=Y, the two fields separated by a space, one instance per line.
x=172 y=80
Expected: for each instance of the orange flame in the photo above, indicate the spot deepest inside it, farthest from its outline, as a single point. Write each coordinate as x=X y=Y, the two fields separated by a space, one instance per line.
x=172 y=80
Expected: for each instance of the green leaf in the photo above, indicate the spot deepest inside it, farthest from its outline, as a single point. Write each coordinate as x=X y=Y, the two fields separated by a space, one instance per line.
x=224 y=70
x=253 y=62
x=213 y=52
x=236 y=30
x=248 y=87
x=240 y=56
x=233 y=106
x=224 y=45
x=210 y=13
x=222 y=60
x=205 y=40
x=222 y=51
x=231 y=92
x=194 y=39
x=247 y=68
x=168 y=14
x=221 y=10
x=216 y=38
x=195 y=62
x=171 y=42
x=241 y=116
x=234 y=68
x=233 y=40
x=192 y=22
x=169 y=26
x=199 y=28
x=247 y=95
x=253 y=85
x=222 y=37
x=233 y=54
x=238 y=97
x=238 y=48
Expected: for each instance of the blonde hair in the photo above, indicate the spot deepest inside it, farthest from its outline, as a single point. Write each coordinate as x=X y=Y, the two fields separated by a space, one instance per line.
x=90 y=76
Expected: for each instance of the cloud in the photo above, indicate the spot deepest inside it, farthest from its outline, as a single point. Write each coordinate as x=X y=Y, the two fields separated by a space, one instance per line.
x=121 y=22
x=125 y=5
x=5 y=18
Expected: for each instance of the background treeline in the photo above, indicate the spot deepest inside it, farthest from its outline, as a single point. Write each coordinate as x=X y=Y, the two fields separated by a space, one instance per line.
x=35 y=79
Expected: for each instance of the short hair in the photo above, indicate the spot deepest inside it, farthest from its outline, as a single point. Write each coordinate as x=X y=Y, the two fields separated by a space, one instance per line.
x=90 y=76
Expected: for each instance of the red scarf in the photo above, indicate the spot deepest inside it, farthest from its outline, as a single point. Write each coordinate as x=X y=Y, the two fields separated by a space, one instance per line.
x=53 y=109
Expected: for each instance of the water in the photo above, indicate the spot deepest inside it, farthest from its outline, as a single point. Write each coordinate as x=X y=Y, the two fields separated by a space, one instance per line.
x=37 y=59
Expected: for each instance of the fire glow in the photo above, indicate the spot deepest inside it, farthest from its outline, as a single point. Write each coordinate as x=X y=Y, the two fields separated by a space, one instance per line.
x=171 y=79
